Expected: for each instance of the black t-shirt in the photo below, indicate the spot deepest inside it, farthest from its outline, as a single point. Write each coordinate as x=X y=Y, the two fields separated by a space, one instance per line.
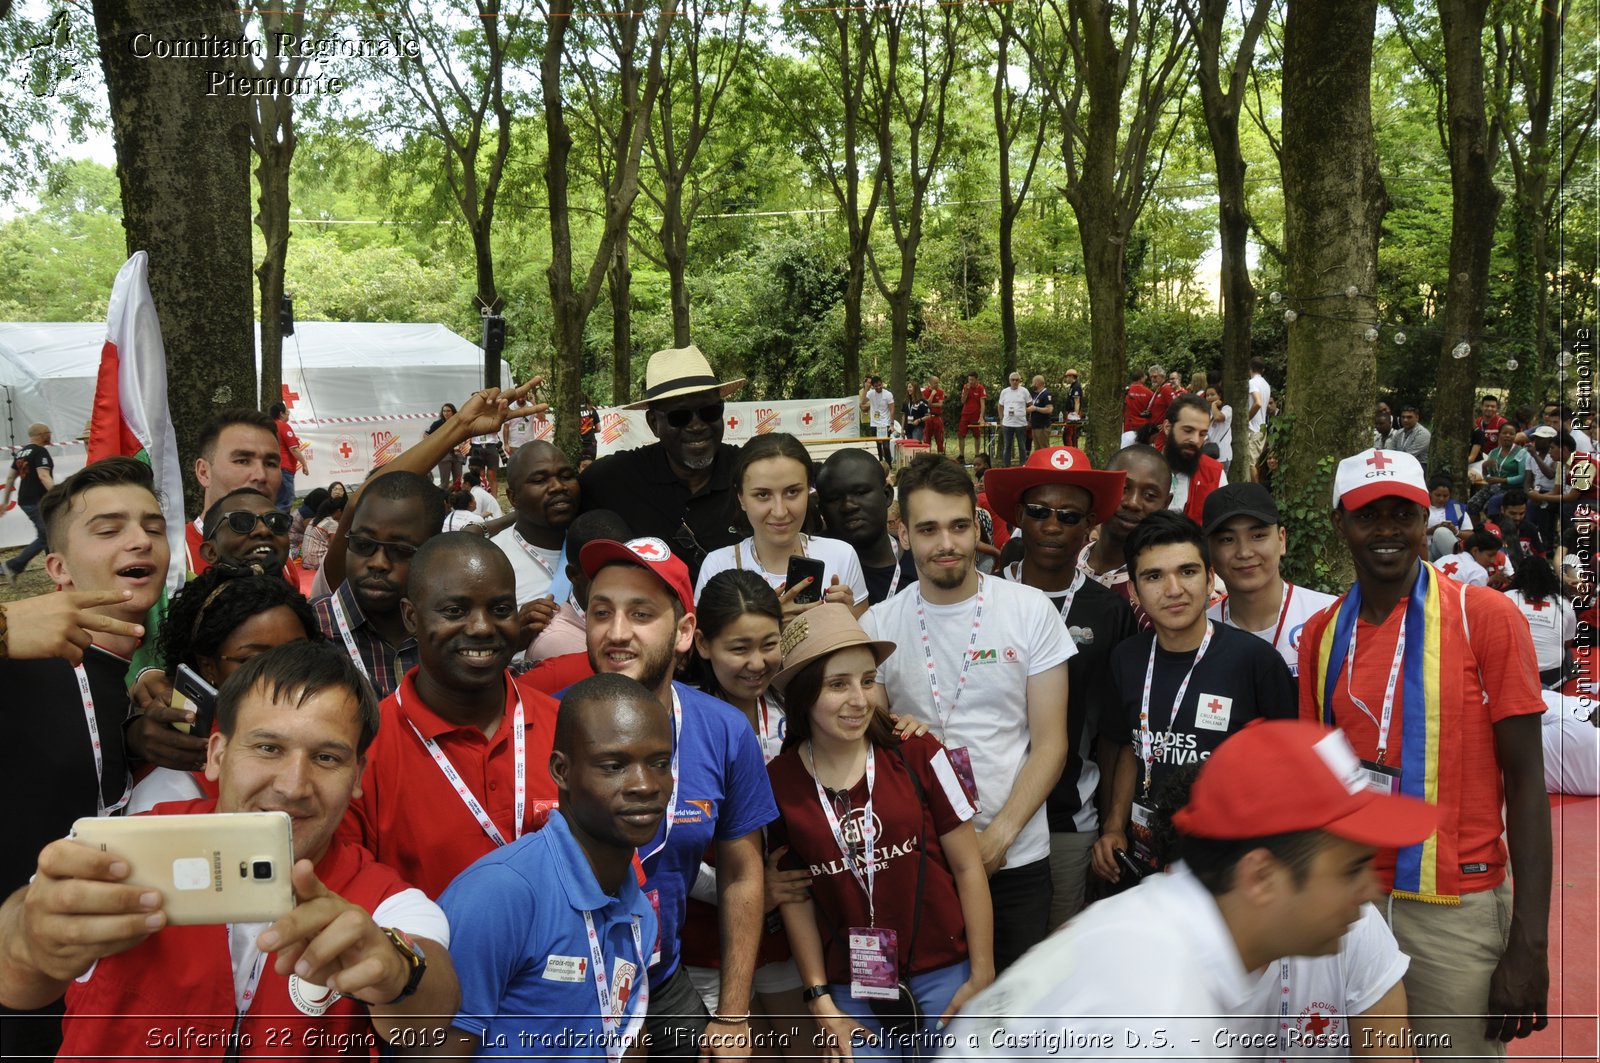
x=1042 y=420
x=913 y=412
x=878 y=579
x=1241 y=678
x=29 y=460
x=48 y=766
x=640 y=487
x=1073 y=401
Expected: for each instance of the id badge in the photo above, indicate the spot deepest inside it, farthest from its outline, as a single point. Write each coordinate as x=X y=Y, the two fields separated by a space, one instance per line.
x=655 y=903
x=1381 y=778
x=1139 y=835
x=961 y=760
x=874 y=964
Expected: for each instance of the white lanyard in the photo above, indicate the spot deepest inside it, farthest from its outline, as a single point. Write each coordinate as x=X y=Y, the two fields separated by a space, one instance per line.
x=611 y=1013
x=764 y=723
x=87 y=697
x=894 y=580
x=519 y=750
x=1146 y=744
x=1064 y=603
x=529 y=549
x=1388 y=687
x=1283 y=1008
x=252 y=981
x=869 y=830
x=966 y=659
x=672 y=803
x=342 y=622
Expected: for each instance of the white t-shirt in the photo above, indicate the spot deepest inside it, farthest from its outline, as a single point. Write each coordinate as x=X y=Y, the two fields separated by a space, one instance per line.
x=838 y=556
x=1262 y=392
x=488 y=506
x=880 y=408
x=534 y=565
x=1581 y=438
x=1323 y=992
x=519 y=430
x=1298 y=605
x=457 y=519
x=1180 y=489
x=1553 y=624
x=1463 y=568
x=1571 y=745
x=1014 y=407
x=1020 y=635
x=1222 y=435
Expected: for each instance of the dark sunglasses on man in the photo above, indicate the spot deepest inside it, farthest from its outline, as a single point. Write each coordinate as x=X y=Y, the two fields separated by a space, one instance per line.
x=243 y=522
x=363 y=546
x=1069 y=517
x=711 y=413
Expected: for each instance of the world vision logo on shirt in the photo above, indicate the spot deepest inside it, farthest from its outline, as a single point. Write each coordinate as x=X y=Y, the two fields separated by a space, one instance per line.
x=697 y=812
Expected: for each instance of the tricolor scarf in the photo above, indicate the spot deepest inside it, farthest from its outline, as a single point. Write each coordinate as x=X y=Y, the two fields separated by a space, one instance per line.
x=1430 y=766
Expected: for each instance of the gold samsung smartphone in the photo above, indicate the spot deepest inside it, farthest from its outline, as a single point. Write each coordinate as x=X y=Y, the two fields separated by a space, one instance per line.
x=209 y=868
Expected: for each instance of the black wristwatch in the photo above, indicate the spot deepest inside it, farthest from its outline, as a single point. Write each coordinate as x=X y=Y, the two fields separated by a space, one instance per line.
x=411 y=952
x=812 y=992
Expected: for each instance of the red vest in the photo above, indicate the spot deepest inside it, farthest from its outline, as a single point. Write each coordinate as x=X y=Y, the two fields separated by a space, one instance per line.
x=1204 y=481
x=172 y=996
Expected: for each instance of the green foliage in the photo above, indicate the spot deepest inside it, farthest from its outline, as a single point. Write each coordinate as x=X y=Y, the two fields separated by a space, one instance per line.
x=1314 y=553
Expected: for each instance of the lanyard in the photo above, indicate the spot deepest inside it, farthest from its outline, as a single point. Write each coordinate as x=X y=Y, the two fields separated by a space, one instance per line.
x=252 y=982
x=528 y=548
x=519 y=750
x=764 y=724
x=87 y=696
x=869 y=830
x=342 y=622
x=1283 y=612
x=966 y=659
x=738 y=555
x=1283 y=1009
x=611 y=1012
x=1388 y=686
x=1146 y=743
x=1064 y=603
x=894 y=580
x=672 y=803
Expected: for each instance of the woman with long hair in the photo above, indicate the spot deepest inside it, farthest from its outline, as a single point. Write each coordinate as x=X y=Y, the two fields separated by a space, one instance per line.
x=1221 y=422
x=772 y=482
x=884 y=828
x=314 y=547
x=1538 y=593
x=450 y=464
x=304 y=514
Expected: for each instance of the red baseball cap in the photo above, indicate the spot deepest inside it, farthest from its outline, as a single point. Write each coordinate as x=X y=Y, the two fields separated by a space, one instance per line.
x=1278 y=776
x=650 y=553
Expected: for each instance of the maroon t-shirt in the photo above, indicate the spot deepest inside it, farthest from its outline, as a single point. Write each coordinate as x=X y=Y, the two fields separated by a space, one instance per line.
x=905 y=824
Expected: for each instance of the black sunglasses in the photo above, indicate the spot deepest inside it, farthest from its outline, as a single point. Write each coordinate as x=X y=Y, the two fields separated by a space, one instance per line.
x=708 y=414
x=1069 y=517
x=243 y=522
x=362 y=546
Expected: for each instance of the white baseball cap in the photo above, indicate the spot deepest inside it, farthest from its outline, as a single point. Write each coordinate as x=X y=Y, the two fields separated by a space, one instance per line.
x=1373 y=474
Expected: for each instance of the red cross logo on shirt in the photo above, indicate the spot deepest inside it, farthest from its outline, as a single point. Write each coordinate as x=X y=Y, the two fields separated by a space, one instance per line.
x=289 y=397
x=1448 y=568
x=1537 y=606
x=1215 y=705
x=733 y=422
x=345 y=448
x=805 y=418
x=1378 y=461
x=1317 y=1023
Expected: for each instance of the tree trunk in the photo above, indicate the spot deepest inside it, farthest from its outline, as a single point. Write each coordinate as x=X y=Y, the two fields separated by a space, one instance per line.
x=194 y=220
x=1331 y=220
x=273 y=156
x=1008 y=281
x=675 y=249
x=1474 y=209
x=488 y=296
x=619 y=279
x=1108 y=293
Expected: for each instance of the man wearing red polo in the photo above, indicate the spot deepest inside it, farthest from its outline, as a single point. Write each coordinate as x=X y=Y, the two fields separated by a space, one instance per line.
x=933 y=427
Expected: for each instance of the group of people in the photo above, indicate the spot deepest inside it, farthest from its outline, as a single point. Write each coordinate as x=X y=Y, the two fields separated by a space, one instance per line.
x=1025 y=416
x=704 y=750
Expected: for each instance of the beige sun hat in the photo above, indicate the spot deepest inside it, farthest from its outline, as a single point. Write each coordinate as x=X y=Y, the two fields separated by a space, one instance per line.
x=680 y=371
x=818 y=632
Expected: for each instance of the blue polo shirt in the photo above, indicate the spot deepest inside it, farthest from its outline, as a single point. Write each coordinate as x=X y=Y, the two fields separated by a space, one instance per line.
x=522 y=954
x=723 y=793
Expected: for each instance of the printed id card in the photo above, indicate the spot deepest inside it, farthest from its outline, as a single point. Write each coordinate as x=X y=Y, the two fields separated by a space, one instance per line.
x=961 y=760
x=655 y=902
x=1139 y=836
x=874 y=964
x=1381 y=778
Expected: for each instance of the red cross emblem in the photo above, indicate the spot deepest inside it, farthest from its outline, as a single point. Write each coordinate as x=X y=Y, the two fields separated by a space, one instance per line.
x=1061 y=458
x=650 y=549
x=1215 y=705
x=289 y=397
x=345 y=449
x=733 y=422
x=1378 y=461
x=1537 y=606
x=1449 y=568
x=805 y=418
x=1317 y=1023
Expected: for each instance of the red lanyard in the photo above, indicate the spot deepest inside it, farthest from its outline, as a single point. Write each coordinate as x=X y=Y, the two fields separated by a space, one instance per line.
x=1283 y=611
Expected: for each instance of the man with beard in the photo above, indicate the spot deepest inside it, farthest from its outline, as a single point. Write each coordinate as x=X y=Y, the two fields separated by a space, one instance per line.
x=641 y=621
x=542 y=486
x=1194 y=474
x=239 y=448
x=1462 y=730
x=854 y=496
x=245 y=530
x=1057 y=499
x=991 y=680
x=569 y=891
x=680 y=488
x=457 y=768
x=1146 y=489
x=393 y=516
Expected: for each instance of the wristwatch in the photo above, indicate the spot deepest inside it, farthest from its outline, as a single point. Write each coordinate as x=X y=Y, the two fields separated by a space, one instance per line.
x=411 y=952
x=812 y=992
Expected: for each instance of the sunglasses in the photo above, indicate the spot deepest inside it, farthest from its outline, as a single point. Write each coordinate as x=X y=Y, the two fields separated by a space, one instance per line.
x=708 y=414
x=243 y=522
x=1069 y=517
x=362 y=546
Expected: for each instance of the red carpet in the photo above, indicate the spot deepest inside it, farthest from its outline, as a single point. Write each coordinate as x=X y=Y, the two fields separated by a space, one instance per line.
x=1574 y=936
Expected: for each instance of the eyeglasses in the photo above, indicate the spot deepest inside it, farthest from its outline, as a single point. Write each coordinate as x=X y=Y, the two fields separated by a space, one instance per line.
x=684 y=539
x=1069 y=517
x=708 y=414
x=243 y=522
x=362 y=546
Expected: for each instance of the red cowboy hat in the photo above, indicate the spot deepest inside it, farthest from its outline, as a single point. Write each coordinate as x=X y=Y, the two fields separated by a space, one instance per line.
x=1055 y=465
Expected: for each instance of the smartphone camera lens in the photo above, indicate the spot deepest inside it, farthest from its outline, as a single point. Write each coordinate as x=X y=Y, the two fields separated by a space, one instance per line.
x=261 y=870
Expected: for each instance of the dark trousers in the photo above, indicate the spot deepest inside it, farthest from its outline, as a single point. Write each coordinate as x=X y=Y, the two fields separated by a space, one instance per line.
x=33 y=549
x=1013 y=436
x=676 y=1019
x=1021 y=899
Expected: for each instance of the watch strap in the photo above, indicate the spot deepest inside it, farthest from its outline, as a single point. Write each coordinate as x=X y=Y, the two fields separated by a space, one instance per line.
x=411 y=952
x=812 y=992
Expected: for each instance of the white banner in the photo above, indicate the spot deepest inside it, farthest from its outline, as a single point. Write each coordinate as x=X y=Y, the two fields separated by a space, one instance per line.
x=15 y=527
x=811 y=420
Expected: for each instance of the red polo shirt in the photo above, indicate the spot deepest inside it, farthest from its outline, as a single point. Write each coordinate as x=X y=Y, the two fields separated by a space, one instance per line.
x=409 y=814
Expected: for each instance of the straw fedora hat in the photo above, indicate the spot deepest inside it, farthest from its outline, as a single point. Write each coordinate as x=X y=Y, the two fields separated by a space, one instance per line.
x=680 y=371
x=818 y=632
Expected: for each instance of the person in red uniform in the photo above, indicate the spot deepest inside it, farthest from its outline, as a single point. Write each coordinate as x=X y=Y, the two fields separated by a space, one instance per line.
x=973 y=394
x=292 y=727
x=1194 y=474
x=460 y=764
x=1452 y=715
x=1135 y=402
x=291 y=455
x=933 y=427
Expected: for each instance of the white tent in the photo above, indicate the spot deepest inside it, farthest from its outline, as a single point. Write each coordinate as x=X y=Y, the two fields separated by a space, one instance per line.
x=358 y=392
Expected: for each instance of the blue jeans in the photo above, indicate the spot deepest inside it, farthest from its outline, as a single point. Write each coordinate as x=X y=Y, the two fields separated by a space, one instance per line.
x=933 y=990
x=1008 y=436
x=33 y=549
x=285 y=497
